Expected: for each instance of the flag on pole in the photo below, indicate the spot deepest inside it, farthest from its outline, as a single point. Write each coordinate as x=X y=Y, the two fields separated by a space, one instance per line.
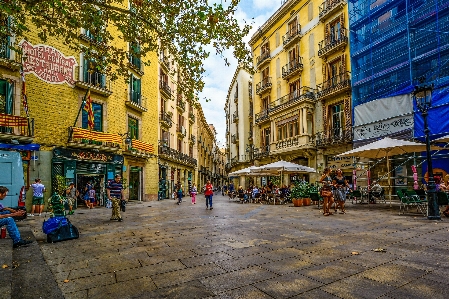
x=90 y=112
x=24 y=95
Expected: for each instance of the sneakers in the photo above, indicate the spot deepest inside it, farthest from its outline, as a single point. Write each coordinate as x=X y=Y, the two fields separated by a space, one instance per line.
x=40 y=214
x=207 y=207
x=30 y=215
x=211 y=208
x=120 y=219
x=21 y=243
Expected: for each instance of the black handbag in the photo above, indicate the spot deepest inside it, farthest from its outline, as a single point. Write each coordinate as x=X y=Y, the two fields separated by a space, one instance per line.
x=63 y=233
x=122 y=205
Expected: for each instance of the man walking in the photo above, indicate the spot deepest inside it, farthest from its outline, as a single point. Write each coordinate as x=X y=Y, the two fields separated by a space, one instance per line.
x=209 y=192
x=6 y=219
x=115 y=194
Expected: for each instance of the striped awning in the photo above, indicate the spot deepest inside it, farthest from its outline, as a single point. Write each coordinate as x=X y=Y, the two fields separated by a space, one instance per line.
x=96 y=136
x=7 y=120
x=142 y=146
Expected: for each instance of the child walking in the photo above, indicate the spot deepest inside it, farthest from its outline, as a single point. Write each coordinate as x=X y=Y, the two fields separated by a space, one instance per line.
x=91 y=198
x=193 y=194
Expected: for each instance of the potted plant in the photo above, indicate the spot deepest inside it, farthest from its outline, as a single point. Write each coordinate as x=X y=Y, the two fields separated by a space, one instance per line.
x=304 y=193
x=296 y=195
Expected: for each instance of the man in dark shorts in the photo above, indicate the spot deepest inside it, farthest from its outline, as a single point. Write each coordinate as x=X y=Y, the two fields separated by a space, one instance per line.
x=115 y=194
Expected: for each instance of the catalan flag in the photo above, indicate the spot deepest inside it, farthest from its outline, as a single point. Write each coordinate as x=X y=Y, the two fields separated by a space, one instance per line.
x=24 y=95
x=90 y=112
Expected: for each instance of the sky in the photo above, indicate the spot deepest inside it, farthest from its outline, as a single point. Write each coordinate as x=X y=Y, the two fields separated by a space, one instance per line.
x=218 y=77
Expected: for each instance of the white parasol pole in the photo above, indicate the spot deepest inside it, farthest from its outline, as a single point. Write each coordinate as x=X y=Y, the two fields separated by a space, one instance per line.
x=389 y=178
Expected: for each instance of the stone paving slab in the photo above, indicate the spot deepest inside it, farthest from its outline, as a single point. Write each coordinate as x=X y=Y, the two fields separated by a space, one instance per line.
x=162 y=250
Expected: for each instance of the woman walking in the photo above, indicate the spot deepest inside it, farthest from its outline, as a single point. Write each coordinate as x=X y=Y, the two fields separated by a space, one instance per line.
x=326 y=191
x=340 y=184
x=208 y=192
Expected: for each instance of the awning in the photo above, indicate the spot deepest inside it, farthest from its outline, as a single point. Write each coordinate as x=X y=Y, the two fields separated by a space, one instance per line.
x=21 y=147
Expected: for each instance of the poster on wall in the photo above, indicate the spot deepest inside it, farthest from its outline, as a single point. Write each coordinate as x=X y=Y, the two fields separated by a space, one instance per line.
x=48 y=63
x=401 y=176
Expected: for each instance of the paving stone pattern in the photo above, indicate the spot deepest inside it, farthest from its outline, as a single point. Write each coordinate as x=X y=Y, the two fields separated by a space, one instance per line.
x=162 y=250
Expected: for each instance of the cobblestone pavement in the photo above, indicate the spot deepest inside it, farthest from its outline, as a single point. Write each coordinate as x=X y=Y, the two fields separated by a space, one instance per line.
x=162 y=250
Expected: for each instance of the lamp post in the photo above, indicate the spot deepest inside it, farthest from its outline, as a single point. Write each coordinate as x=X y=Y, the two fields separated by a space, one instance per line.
x=423 y=97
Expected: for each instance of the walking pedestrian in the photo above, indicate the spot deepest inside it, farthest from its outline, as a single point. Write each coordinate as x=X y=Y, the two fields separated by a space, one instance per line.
x=115 y=194
x=326 y=191
x=209 y=192
x=193 y=194
x=179 y=193
x=86 y=196
x=340 y=184
x=6 y=219
x=71 y=194
x=38 y=197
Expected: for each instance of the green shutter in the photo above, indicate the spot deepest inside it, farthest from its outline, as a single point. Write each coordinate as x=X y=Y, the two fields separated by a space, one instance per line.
x=9 y=98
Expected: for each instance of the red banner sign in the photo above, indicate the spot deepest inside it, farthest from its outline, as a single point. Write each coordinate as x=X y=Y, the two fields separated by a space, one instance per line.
x=48 y=63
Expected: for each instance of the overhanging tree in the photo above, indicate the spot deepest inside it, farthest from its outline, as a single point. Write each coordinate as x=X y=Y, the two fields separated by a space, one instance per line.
x=185 y=28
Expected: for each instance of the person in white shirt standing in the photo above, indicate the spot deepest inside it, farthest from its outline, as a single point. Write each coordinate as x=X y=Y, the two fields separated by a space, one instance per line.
x=38 y=197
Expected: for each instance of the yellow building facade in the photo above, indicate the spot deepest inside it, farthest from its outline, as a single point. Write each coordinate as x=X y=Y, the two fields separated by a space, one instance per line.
x=302 y=99
x=56 y=143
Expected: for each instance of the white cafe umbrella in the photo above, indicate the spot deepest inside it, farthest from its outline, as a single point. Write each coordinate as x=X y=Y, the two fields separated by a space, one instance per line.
x=284 y=167
x=242 y=172
x=387 y=147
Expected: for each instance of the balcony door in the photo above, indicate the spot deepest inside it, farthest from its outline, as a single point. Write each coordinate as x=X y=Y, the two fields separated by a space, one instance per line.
x=337 y=121
x=294 y=89
x=6 y=101
x=335 y=30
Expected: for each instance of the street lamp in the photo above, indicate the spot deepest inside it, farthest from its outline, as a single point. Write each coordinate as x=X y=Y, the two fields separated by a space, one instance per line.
x=423 y=97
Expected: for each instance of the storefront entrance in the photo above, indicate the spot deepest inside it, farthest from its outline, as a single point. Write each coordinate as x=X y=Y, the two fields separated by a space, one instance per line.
x=135 y=178
x=98 y=184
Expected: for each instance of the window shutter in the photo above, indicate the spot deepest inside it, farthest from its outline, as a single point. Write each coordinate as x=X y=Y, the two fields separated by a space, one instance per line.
x=327 y=32
x=9 y=98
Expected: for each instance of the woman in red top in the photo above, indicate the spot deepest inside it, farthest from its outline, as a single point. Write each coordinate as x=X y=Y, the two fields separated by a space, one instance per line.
x=209 y=191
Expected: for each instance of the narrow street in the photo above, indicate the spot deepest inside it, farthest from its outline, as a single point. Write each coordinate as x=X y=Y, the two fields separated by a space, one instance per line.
x=162 y=250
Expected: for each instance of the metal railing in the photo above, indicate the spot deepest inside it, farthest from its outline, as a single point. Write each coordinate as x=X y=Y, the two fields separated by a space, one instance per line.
x=292 y=67
x=261 y=116
x=135 y=62
x=166 y=117
x=8 y=122
x=291 y=35
x=304 y=93
x=192 y=117
x=176 y=155
x=262 y=152
x=93 y=78
x=235 y=138
x=328 y=6
x=334 y=84
x=136 y=97
x=181 y=104
x=163 y=85
x=235 y=117
x=263 y=57
x=263 y=85
x=334 y=136
x=332 y=42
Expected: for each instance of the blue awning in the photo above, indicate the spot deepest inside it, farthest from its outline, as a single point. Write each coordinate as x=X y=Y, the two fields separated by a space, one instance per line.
x=21 y=147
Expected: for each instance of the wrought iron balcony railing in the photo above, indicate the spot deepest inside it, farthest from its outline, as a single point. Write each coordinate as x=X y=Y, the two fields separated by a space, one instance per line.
x=337 y=135
x=292 y=68
x=180 y=104
x=303 y=94
x=264 y=57
x=192 y=117
x=292 y=35
x=263 y=85
x=165 y=88
x=175 y=155
x=8 y=57
x=93 y=80
x=334 y=85
x=333 y=43
x=262 y=152
x=294 y=142
x=236 y=97
x=261 y=116
x=328 y=7
x=16 y=127
x=166 y=119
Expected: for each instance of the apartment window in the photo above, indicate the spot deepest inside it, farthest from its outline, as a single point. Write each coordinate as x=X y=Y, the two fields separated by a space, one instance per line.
x=265 y=74
x=162 y=105
x=294 y=89
x=293 y=27
x=180 y=145
x=337 y=120
x=293 y=55
x=134 y=54
x=4 y=43
x=288 y=130
x=265 y=102
x=334 y=68
x=133 y=128
x=265 y=138
x=335 y=30
x=94 y=34
x=165 y=138
x=92 y=74
x=98 y=117
x=265 y=48
x=136 y=90
x=6 y=97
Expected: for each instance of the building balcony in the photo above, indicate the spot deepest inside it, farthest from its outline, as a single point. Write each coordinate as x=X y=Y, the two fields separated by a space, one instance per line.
x=13 y=127
x=329 y=7
x=165 y=119
x=87 y=139
x=236 y=97
x=260 y=153
x=135 y=63
x=165 y=63
x=294 y=142
x=9 y=58
x=191 y=117
x=180 y=104
x=235 y=117
x=95 y=81
x=165 y=152
x=261 y=117
x=334 y=136
x=335 y=85
x=305 y=94
x=165 y=89
x=250 y=92
x=235 y=138
x=182 y=132
x=333 y=43
x=140 y=149
x=263 y=59
x=293 y=35
x=263 y=86
x=137 y=102
x=292 y=68
x=192 y=139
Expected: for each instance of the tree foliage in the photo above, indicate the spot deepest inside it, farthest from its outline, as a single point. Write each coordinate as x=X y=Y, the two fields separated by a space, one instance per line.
x=187 y=29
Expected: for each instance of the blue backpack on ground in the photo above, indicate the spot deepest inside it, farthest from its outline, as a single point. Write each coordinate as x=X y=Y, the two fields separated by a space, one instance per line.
x=53 y=224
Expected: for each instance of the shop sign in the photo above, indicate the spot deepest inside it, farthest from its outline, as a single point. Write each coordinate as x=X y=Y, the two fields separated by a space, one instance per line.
x=48 y=63
x=334 y=162
x=87 y=156
x=384 y=127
